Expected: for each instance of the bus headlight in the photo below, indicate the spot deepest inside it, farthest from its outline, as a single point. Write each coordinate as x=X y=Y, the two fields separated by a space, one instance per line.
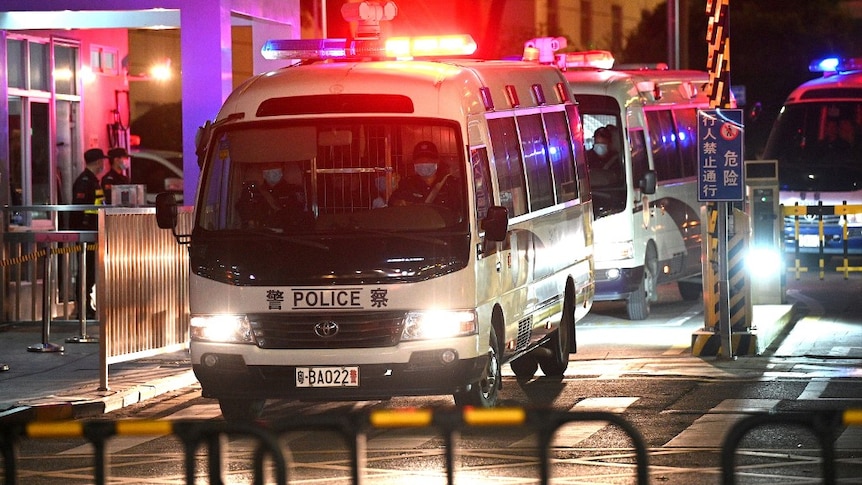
x=613 y=251
x=222 y=328
x=437 y=324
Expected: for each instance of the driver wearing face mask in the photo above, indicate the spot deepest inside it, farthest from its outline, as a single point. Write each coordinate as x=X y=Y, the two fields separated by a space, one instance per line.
x=429 y=184
x=275 y=203
x=602 y=156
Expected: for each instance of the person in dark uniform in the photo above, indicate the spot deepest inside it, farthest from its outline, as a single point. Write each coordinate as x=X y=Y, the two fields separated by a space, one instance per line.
x=88 y=191
x=429 y=184
x=116 y=175
x=277 y=203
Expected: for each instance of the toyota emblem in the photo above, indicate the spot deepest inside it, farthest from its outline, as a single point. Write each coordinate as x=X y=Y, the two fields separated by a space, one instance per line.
x=326 y=329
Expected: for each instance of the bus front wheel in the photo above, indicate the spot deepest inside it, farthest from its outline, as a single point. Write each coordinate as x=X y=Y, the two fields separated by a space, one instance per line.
x=560 y=345
x=485 y=392
x=638 y=303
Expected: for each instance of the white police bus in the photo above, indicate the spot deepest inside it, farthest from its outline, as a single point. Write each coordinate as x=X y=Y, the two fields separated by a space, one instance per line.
x=817 y=141
x=647 y=228
x=352 y=292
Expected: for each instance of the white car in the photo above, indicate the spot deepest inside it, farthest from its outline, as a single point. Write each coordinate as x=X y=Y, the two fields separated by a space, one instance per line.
x=159 y=171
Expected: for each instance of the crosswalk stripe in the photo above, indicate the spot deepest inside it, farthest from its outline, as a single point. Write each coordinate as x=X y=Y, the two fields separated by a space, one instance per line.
x=573 y=433
x=709 y=430
x=118 y=444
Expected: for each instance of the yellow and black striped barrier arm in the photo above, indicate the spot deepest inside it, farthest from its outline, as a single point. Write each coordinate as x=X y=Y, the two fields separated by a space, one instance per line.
x=41 y=253
x=819 y=211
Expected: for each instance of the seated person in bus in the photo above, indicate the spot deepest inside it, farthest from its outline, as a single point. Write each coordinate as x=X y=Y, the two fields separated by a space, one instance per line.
x=603 y=155
x=849 y=134
x=428 y=184
x=836 y=142
x=276 y=202
x=603 y=159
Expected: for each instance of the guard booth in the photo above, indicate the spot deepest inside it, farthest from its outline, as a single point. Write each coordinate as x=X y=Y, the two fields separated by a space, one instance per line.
x=765 y=254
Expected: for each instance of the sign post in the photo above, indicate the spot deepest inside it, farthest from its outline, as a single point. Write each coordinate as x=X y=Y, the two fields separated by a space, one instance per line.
x=721 y=179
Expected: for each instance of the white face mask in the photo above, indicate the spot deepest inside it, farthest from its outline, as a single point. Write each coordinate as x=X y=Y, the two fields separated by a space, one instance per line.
x=272 y=176
x=600 y=149
x=425 y=169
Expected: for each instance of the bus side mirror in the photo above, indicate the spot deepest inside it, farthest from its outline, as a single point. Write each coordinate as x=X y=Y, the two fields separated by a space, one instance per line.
x=166 y=210
x=496 y=223
x=202 y=138
x=648 y=182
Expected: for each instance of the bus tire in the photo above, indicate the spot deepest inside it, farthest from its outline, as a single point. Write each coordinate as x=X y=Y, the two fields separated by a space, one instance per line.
x=638 y=303
x=241 y=410
x=560 y=344
x=485 y=392
x=524 y=367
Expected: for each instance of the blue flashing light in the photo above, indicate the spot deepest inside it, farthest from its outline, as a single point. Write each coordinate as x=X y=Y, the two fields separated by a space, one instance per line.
x=833 y=65
x=828 y=64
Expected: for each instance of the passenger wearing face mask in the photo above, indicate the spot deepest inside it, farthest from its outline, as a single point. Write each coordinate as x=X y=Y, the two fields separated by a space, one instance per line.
x=277 y=202
x=603 y=156
x=117 y=175
x=429 y=184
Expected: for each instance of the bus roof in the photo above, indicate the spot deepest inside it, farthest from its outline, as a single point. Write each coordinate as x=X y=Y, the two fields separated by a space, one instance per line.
x=650 y=86
x=449 y=90
x=838 y=86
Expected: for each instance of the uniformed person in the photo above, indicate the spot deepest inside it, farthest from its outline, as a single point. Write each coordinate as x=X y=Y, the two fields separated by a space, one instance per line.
x=117 y=174
x=430 y=184
x=87 y=190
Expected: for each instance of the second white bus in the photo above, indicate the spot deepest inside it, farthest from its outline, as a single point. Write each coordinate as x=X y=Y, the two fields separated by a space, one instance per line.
x=647 y=226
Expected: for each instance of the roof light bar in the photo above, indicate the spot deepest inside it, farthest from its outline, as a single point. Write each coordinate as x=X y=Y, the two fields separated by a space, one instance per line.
x=394 y=48
x=593 y=59
x=831 y=65
x=430 y=46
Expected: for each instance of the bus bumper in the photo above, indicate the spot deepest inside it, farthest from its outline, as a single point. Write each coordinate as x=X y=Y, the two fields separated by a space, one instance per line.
x=424 y=374
x=611 y=286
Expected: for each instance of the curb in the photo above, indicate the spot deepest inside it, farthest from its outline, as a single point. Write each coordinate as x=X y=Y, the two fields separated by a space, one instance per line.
x=97 y=407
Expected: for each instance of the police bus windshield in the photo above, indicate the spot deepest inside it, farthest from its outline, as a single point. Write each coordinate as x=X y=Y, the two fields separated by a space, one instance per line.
x=397 y=176
x=818 y=146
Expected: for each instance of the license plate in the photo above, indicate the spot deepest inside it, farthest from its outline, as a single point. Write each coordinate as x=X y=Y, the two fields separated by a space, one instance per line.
x=327 y=376
x=809 y=241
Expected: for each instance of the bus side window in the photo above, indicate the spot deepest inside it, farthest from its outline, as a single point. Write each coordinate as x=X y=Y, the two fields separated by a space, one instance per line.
x=481 y=181
x=539 y=183
x=664 y=150
x=640 y=163
x=562 y=158
x=686 y=135
x=510 y=167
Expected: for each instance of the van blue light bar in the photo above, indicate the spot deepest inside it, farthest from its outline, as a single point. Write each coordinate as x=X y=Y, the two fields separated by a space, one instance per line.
x=835 y=64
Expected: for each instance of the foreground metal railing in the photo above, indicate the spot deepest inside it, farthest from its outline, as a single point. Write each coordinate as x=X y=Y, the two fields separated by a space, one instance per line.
x=353 y=428
x=823 y=425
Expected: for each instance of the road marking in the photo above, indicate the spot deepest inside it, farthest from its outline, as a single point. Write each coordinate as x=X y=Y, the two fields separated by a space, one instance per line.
x=399 y=439
x=709 y=429
x=813 y=390
x=118 y=444
x=573 y=433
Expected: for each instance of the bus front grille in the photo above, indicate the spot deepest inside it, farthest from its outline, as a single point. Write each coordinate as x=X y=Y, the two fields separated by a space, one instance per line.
x=333 y=331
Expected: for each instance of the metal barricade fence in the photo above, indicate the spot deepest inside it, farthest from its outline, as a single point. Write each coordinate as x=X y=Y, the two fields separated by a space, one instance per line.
x=821 y=216
x=194 y=434
x=141 y=281
x=824 y=425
